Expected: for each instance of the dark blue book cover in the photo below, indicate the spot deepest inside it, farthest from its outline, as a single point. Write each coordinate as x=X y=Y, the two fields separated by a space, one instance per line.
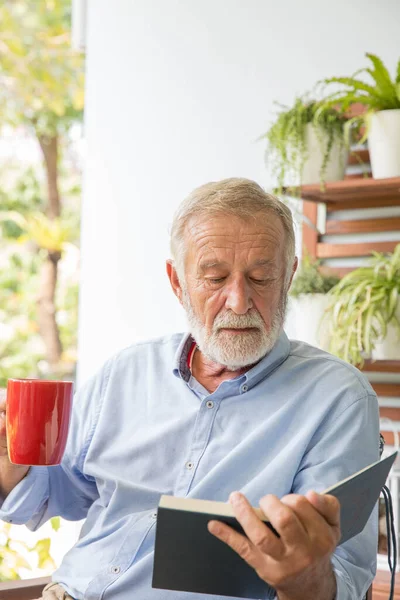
x=188 y=558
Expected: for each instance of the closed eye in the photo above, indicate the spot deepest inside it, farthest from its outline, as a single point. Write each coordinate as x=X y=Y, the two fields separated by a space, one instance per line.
x=216 y=280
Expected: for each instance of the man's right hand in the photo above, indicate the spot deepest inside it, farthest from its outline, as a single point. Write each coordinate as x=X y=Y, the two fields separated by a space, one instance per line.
x=10 y=475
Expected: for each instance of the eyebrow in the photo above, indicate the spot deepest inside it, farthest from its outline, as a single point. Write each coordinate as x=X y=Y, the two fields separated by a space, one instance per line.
x=210 y=264
x=264 y=262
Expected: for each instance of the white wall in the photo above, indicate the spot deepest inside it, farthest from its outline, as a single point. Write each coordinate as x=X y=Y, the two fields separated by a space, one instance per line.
x=177 y=93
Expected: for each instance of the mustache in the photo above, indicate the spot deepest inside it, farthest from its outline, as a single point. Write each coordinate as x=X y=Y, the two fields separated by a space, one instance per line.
x=232 y=321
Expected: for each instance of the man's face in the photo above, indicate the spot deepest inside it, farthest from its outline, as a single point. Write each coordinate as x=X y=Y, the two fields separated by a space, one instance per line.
x=234 y=292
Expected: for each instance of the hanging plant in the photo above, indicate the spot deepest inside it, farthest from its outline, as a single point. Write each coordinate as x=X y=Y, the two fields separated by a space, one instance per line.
x=287 y=149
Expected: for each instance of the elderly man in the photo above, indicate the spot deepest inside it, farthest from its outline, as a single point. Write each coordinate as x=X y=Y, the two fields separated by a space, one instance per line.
x=232 y=409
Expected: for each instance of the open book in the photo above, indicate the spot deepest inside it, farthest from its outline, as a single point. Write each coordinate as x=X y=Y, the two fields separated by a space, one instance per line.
x=188 y=558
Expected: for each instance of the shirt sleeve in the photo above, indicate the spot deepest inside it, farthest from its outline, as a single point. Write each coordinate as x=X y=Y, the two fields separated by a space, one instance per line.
x=343 y=445
x=62 y=490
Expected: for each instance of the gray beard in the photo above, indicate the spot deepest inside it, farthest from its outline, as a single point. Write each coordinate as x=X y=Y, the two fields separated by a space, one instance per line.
x=241 y=350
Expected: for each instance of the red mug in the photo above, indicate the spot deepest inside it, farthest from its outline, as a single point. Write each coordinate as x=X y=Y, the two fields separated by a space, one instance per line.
x=37 y=415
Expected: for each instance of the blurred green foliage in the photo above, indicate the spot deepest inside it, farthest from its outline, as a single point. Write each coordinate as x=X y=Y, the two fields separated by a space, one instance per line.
x=41 y=96
x=22 y=351
x=42 y=77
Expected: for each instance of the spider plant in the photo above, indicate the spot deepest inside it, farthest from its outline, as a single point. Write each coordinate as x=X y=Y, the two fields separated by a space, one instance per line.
x=364 y=303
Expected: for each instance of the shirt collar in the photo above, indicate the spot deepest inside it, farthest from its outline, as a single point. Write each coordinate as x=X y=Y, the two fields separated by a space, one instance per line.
x=181 y=368
x=269 y=363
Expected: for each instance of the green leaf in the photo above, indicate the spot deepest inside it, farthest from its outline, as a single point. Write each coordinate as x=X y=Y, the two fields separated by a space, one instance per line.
x=355 y=84
x=382 y=78
x=393 y=301
x=55 y=523
x=367 y=331
x=14 y=45
x=42 y=548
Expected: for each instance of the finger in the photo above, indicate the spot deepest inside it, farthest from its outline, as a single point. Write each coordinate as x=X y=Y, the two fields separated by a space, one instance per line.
x=258 y=532
x=319 y=530
x=3 y=399
x=238 y=542
x=2 y=409
x=328 y=506
x=2 y=422
x=284 y=520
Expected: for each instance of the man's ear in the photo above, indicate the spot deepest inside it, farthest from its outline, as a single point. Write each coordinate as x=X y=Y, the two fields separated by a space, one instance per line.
x=294 y=269
x=174 y=279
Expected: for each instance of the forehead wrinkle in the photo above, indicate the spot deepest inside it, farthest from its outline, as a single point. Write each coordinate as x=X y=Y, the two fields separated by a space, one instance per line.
x=206 y=243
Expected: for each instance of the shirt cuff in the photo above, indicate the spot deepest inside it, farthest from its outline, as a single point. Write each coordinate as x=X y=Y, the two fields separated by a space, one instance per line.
x=26 y=499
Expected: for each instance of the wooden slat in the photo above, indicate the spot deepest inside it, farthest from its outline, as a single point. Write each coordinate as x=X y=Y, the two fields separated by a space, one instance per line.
x=389 y=412
x=310 y=235
x=357 y=156
x=339 y=271
x=362 y=225
x=359 y=188
x=342 y=250
x=357 y=202
x=387 y=389
x=382 y=366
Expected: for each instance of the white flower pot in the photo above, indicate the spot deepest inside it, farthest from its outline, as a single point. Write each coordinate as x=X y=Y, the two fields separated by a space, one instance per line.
x=384 y=143
x=316 y=146
x=389 y=348
x=305 y=315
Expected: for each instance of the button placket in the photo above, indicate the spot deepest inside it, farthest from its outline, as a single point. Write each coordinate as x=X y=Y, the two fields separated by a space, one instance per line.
x=205 y=418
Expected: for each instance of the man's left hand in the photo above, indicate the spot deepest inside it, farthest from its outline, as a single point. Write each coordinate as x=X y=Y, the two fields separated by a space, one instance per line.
x=297 y=564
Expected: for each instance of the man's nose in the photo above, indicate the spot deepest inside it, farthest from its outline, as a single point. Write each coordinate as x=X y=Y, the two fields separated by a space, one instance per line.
x=238 y=296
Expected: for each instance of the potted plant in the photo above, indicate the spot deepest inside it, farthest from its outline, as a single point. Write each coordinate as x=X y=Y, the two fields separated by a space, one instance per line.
x=305 y=144
x=381 y=120
x=364 y=312
x=308 y=302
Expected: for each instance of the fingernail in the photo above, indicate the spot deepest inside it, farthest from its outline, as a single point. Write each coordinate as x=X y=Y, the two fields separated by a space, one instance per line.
x=235 y=498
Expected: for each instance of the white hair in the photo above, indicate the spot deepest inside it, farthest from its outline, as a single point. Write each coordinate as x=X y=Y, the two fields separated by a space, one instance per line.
x=237 y=197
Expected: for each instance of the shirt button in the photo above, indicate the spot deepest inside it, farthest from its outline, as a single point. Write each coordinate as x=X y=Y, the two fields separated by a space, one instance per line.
x=189 y=465
x=115 y=570
x=210 y=404
x=244 y=388
x=154 y=515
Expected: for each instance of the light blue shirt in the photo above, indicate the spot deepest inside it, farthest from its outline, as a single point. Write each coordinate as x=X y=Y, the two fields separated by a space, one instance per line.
x=300 y=419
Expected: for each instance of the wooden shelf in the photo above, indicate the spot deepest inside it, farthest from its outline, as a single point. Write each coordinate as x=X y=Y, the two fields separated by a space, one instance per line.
x=334 y=227
x=359 y=192
x=386 y=389
x=326 y=250
x=382 y=366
